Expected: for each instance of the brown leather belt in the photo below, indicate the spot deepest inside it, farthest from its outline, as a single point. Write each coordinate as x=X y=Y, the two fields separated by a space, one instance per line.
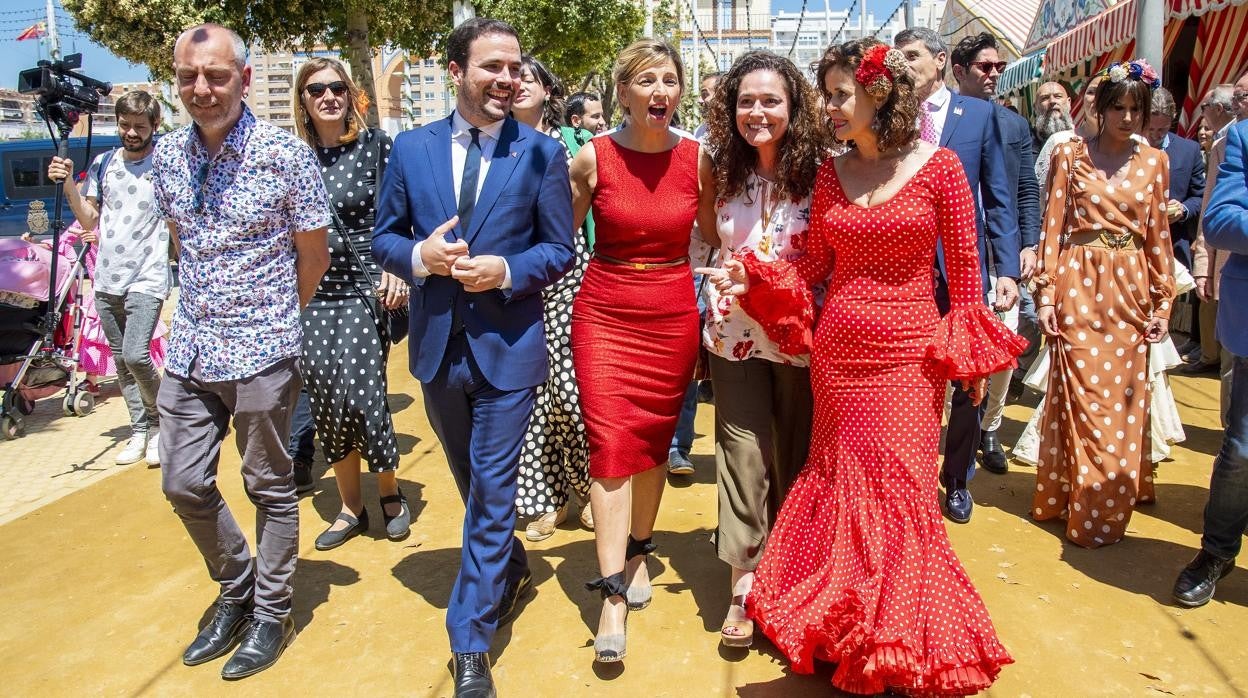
x=1105 y=239
x=643 y=265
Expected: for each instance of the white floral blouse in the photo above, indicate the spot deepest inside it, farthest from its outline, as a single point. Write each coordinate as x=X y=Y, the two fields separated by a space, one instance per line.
x=775 y=231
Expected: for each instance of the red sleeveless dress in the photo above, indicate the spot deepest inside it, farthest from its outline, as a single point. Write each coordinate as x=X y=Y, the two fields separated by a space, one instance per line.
x=635 y=331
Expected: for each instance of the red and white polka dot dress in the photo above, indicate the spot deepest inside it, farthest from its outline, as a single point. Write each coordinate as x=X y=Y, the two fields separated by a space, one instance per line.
x=859 y=570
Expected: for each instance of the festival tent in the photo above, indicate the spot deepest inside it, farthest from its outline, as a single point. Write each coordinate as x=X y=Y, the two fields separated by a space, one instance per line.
x=1008 y=20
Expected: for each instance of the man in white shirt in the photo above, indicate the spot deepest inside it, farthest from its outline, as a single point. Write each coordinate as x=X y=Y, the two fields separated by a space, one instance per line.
x=132 y=270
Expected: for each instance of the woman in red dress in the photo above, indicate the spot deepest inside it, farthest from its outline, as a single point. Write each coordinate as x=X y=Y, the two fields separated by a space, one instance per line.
x=635 y=320
x=859 y=570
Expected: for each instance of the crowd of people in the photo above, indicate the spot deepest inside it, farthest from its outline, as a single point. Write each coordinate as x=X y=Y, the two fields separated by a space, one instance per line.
x=850 y=263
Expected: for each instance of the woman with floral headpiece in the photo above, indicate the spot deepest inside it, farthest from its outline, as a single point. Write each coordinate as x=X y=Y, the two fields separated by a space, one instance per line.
x=1104 y=291
x=858 y=569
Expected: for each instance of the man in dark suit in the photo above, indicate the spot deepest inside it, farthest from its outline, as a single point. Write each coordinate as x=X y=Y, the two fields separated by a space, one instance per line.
x=475 y=211
x=968 y=127
x=1187 y=174
x=976 y=67
x=1226 y=514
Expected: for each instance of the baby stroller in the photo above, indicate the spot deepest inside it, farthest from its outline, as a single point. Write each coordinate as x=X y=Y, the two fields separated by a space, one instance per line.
x=39 y=349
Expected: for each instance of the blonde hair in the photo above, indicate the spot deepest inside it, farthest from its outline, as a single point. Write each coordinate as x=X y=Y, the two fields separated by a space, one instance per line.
x=642 y=54
x=356 y=101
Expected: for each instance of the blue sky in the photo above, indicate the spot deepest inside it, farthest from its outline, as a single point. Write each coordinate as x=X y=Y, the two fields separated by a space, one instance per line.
x=100 y=63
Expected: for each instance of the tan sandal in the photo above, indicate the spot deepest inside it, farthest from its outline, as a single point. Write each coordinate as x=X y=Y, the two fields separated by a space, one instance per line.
x=544 y=526
x=737 y=633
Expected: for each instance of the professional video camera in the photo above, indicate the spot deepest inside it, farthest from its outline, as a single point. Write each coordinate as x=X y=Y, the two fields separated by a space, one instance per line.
x=64 y=94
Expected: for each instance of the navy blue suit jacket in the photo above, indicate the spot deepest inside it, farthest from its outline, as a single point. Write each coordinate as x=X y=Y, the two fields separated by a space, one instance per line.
x=1226 y=228
x=1020 y=167
x=523 y=214
x=1187 y=186
x=971 y=132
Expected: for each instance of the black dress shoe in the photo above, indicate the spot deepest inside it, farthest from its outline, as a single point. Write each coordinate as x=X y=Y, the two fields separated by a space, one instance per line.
x=992 y=457
x=262 y=645
x=958 y=504
x=1198 y=581
x=472 y=675
x=1200 y=367
x=512 y=593
x=218 y=637
x=303 y=478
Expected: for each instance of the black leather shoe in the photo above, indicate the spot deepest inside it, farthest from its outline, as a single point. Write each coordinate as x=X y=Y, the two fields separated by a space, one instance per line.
x=303 y=478
x=1198 y=581
x=958 y=504
x=991 y=456
x=220 y=635
x=1199 y=368
x=262 y=645
x=472 y=675
x=512 y=594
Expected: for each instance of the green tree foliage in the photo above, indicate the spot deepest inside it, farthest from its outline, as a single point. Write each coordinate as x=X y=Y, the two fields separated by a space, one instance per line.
x=572 y=38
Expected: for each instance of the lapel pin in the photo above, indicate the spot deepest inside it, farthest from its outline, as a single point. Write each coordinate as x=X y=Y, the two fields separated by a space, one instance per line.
x=957 y=111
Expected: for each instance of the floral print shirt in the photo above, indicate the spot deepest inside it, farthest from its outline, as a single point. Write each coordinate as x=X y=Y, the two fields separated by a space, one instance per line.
x=236 y=216
x=728 y=331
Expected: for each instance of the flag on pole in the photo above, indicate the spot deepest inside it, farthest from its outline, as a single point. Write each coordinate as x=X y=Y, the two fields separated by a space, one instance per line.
x=34 y=31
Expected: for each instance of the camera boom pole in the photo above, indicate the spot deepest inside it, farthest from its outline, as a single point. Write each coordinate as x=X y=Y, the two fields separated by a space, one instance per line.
x=54 y=41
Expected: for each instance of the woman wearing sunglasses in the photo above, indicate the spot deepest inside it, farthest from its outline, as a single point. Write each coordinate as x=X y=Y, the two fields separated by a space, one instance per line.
x=346 y=334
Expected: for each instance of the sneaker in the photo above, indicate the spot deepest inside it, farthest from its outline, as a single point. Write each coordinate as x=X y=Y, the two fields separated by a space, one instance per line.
x=303 y=478
x=678 y=463
x=134 y=451
x=153 y=447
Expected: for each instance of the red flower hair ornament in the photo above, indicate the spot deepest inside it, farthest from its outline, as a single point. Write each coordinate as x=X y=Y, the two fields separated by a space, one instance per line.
x=880 y=66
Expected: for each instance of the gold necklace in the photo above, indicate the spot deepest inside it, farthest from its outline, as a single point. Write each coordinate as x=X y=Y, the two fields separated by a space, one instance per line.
x=765 y=199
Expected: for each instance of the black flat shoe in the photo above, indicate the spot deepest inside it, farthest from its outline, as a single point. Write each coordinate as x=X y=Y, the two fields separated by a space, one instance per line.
x=1199 y=580
x=220 y=635
x=331 y=539
x=400 y=525
x=263 y=643
x=992 y=457
x=472 y=675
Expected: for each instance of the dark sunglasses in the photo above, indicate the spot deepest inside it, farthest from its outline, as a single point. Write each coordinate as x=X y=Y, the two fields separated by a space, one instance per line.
x=200 y=183
x=988 y=66
x=316 y=89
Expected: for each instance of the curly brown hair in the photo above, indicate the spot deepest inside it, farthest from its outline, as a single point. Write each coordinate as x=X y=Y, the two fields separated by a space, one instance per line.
x=897 y=118
x=799 y=148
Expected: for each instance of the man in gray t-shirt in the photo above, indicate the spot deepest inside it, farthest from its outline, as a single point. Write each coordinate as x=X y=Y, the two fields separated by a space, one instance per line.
x=132 y=269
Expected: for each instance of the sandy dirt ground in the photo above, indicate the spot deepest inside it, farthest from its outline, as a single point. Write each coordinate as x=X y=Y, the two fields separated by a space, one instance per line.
x=102 y=589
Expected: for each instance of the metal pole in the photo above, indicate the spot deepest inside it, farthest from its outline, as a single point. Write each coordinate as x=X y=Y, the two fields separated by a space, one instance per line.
x=54 y=41
x=909 y=13
x=862 y=21
x=719 y=28
x=648 y=32
x=1150 y=20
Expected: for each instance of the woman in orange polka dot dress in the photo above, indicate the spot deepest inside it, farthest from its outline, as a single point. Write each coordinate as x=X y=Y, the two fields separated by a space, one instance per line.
x=1105 y=284
x=859 y=570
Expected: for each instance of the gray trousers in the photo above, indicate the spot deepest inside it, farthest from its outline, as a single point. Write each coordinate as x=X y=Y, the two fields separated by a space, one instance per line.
x=128 y=322
x=763 y=414
x=194 y=417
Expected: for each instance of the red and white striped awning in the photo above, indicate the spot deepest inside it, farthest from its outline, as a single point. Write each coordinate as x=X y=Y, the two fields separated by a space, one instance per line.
x=1222 y=54
x=1009 y=20
x=1114 y=27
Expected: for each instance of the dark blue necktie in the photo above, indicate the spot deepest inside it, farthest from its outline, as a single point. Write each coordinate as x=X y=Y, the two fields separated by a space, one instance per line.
x=468 y=183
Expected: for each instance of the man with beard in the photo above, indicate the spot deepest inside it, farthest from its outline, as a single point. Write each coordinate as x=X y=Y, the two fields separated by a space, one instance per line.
x=1052 y=112
x=248 y=213
x=132 y=269
x=475 y=212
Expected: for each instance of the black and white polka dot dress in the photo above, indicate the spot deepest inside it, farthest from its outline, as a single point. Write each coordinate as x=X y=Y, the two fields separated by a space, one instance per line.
x=554 y=459
x=344 y=348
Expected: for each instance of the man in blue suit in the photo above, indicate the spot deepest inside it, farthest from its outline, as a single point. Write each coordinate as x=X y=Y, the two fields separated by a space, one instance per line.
x=1226 y=514
x=475 y=211
x=1187 y=174
x=977 y=65
x=968 y=127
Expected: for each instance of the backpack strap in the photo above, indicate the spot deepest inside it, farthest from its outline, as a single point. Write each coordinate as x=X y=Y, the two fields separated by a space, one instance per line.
x=105 y=159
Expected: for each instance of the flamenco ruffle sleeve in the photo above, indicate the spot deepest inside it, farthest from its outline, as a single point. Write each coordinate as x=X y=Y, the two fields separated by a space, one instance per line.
x=781 y=301
x=970 y=342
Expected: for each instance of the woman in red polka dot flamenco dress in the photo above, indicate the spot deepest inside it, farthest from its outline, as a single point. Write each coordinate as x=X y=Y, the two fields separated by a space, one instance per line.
x=859 y=571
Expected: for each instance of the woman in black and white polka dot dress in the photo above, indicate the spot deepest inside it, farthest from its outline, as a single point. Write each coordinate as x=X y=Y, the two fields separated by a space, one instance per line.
x=345 y=333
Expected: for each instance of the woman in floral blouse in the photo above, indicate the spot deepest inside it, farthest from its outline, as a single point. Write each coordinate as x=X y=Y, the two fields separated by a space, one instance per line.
x=764 y=130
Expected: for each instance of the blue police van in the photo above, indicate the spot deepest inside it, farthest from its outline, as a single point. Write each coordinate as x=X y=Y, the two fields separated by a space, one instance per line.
x=24 y=177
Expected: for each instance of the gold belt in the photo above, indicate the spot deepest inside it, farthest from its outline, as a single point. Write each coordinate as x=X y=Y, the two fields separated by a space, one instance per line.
x=643 y=265
x=1105 y=239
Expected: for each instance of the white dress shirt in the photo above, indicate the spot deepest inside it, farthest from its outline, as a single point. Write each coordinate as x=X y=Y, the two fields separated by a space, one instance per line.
x=937 y=107
x=460 y=139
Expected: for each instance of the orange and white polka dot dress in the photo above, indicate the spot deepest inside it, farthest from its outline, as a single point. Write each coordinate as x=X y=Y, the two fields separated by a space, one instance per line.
x=859 y=570
x=1094 y=440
